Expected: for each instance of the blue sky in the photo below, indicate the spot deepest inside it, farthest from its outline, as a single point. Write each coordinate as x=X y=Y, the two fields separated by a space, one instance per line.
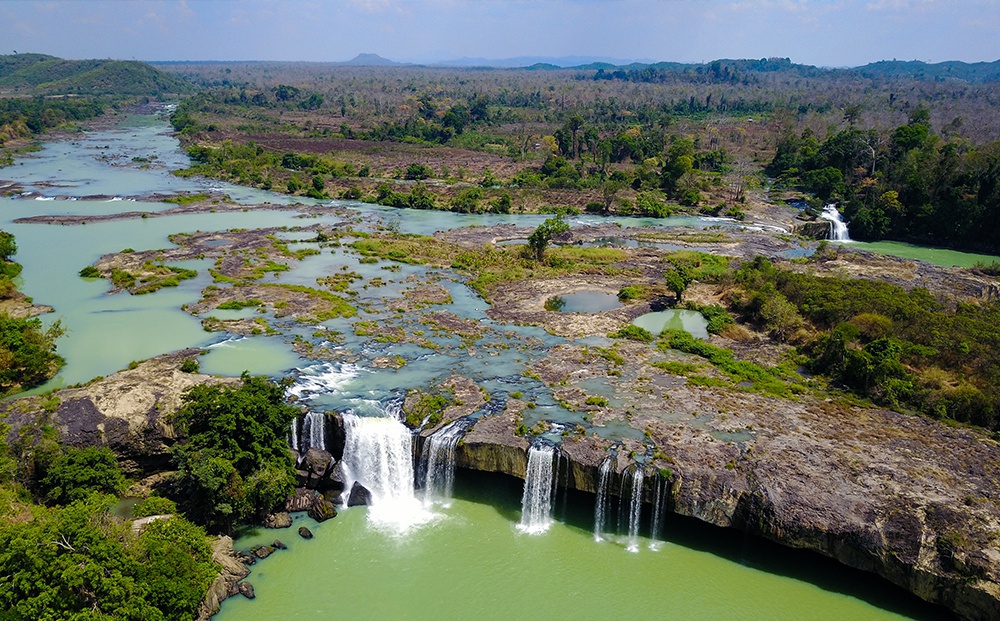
x=818 y=32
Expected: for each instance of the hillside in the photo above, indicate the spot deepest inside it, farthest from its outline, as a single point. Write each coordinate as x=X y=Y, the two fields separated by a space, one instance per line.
x=48 y=75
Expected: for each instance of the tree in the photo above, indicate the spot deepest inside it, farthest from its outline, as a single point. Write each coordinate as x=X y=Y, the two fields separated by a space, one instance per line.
x=8 y=247
x=539 y=240
x=233 y=434
x=27 y=353
x=81 y=472
x=677 y=280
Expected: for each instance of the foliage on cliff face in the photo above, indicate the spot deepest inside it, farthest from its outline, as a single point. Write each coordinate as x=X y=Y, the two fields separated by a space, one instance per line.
x=236 y=464
x=80 y=561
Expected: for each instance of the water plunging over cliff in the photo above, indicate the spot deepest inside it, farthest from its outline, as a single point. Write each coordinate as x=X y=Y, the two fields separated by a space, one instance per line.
x=313 y=431
x=437 y=460
x=635 y=508
x=378 y=454
x=656 y=528
x=601 y=501
x=536 y=502
x=838 y=228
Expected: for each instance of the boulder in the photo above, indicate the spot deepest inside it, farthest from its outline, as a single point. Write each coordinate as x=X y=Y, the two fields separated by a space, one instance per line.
x=263 y=552
x=301 y=500
x=277 y=545
x=305 y=533
x=322 y=510
x=281 y=519
x=359 y=496
x=246 y=590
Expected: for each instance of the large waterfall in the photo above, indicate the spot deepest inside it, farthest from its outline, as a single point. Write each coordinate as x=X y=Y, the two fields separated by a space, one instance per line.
x=601 y=502
x=536 y=502
x=378 y=454
x=635 y=508
x=437 y=460
x=838 y=228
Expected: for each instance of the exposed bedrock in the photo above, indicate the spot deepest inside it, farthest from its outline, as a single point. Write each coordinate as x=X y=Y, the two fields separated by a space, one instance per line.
x=900 y=496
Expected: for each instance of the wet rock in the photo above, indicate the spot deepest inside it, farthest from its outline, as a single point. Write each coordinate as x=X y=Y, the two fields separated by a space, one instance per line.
x=280 y=519
x=263 y=552
x=246 y=590
x=316 y=462
x=305 y=533
x=301 y=500
x=322 y=510
x=360 y=496
x=277 y=545
x=225 y=584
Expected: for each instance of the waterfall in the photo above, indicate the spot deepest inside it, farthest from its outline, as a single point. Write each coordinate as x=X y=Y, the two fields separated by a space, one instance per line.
x=314 y=431
x=656 y=530
x=838 y=228
x=437 y=460
x=378 y=454
x=601 y=502
x=635 y=508
x=295 y=434
x=536 y=502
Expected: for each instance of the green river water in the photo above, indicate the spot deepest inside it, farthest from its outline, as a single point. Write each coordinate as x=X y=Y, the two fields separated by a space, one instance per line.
x=470 y=561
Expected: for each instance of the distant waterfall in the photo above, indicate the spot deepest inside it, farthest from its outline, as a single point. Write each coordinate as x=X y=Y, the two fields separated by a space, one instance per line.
x=635 y=508
x=314 y=431
x=601 y=502
x=838 y=228
x=536 y=502
x=437 y=460
x=378 y=454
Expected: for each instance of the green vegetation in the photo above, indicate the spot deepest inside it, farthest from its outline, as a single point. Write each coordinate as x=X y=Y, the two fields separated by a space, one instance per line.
x=899 y=348
x=27 y=353
x=187 y=199
x=236 y=465
x=633 y=333
x=539 y=240
x=79 y=562
x=90 y=272
x=190 y=365
x=915 y=185
x=428 y=406
x=82 y=472
x=779 y=381
x=239 y=304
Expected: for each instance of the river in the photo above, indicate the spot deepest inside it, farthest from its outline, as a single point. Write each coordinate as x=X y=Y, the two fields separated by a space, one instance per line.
x=469 y=560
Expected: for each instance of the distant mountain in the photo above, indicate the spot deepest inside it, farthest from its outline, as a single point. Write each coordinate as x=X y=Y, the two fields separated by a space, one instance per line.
x=48 y=75
x=921 y=71
x=371 y=60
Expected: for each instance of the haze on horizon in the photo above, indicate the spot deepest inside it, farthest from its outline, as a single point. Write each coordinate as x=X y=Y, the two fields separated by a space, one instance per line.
x=818 y=32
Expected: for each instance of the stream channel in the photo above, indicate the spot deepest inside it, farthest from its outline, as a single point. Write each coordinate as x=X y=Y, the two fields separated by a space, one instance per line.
x=467 y=560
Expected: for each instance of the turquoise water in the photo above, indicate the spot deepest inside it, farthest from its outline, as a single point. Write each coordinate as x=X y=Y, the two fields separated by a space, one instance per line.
x=472 y=562
x=674 y=319
x=944 y=257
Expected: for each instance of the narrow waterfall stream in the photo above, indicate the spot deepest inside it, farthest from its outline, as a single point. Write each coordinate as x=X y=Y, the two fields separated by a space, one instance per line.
x=601 y=501
x=378 y=454
x=838 y=228
x=635 y=508
x=656 y=528
x=314 y=431
x=437 y=460
x=536 y=502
